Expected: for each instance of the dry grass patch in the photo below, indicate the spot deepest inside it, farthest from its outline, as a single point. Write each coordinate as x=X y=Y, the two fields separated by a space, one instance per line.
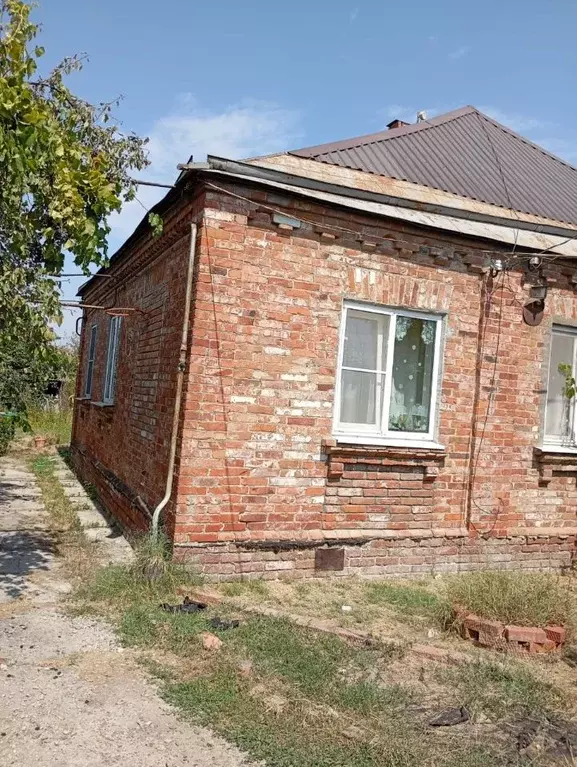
x=403 y=610
x=522 y=599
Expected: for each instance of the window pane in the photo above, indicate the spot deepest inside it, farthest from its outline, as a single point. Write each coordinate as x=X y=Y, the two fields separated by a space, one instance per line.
x=558 y=417
x=359 y=397
x=90 y=363
x=112 y=358
x=361 y=341
x=412 y=374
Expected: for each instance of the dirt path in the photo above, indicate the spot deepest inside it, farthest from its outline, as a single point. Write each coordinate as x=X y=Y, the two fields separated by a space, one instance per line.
x=69 y=695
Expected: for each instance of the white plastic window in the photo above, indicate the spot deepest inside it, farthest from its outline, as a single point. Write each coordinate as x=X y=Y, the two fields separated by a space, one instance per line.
x=560 y=413
x=112 y=359
x=387 y=375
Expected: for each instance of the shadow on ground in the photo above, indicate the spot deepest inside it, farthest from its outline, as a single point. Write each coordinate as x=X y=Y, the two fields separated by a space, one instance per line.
x=21 y=554
x=15 y=491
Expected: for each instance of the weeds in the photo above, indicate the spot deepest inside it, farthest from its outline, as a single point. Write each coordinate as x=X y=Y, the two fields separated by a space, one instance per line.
x=311 y=699
x=242 y=588
x=150 y=579
x=301 y=736
x=56 y=425
x=409 y=600
x=62 y=515
x=79 y=558
x=317 y=664
x=501 y=689
x=524 y=599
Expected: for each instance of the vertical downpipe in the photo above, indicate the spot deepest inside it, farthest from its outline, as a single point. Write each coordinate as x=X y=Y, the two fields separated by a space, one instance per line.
x=179 y=384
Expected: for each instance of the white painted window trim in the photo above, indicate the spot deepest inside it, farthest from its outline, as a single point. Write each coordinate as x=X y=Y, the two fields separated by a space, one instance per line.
x=551 y=447
x=111 y=360
x=553 y=444
x=368 y=434
x=90 y=361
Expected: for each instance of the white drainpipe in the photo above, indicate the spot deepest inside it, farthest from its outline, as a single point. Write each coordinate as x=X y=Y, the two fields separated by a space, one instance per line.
x=179 y=384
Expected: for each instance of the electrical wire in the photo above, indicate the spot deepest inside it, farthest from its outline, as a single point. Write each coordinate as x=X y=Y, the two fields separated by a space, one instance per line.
x=503 y=254
x=477 y=453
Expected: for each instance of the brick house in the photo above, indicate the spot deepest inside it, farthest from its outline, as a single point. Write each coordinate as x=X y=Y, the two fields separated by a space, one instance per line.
x=367 y=377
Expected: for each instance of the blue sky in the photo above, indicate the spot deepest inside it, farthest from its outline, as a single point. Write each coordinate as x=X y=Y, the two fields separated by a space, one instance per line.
x=245 y=77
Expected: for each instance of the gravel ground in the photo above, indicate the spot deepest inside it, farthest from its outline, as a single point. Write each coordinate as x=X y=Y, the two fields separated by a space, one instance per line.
x=69 y=695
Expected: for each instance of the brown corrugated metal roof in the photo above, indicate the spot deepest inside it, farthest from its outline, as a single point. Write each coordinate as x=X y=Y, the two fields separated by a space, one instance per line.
x=467 y=153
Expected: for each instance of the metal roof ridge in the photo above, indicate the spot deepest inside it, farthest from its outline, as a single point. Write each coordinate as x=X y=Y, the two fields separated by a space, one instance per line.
x=385 y=135
x=525 y=140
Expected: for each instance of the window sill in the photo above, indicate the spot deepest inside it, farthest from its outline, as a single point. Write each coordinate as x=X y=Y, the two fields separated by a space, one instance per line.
x=555 y=458
x=103 y=404
x=82 y=399
x=368 y=441
x=556 y=449
x=342 y=451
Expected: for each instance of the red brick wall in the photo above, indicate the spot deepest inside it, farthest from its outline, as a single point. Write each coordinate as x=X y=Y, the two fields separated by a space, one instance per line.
x=258 y=486
x=260 y=396
x=123 y=449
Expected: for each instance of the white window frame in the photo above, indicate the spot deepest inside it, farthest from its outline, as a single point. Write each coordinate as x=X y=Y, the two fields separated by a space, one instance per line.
x=93 y=334
x=381 y=434
x=114 y=328
x=552 y=443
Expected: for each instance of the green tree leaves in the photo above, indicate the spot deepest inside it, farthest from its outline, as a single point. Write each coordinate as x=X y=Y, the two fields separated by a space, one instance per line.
x=64 y=168
x=569 y=385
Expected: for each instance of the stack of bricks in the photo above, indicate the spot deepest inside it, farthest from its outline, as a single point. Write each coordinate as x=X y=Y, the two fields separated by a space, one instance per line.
x=519 y=639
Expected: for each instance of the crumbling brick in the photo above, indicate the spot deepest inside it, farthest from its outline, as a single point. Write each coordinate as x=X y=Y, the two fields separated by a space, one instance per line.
x=556 y=634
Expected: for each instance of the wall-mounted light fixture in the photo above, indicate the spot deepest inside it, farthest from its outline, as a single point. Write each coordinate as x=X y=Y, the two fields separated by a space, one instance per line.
x=534 y=309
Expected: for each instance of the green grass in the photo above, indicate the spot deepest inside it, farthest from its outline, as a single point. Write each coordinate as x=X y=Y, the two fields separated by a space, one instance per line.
x=318 y=665
x=56 y=425
x=71 y=544
x=151 y=579
x=524 y=599
x=145 y=626
x=311 y=699
x=242 y=588
x=300 y=736
x=323 y=687
x=60 y=510
x=411 y=601
x=504 y=689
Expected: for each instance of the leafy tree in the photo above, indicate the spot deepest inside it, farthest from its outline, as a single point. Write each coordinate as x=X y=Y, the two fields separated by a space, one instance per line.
x=64 y=168
x=23 y=380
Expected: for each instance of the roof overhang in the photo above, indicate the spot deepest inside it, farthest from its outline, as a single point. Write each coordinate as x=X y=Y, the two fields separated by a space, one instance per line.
x=427 y=208
x=470 y=220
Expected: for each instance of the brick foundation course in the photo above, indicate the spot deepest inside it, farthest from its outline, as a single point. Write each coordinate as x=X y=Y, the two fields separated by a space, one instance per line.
x=519 y=639
x=386 y=557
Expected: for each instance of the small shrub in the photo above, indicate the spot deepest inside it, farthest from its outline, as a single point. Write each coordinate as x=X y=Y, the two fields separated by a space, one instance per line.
x=151 y=579
x=523 y=599
x=6 y=433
